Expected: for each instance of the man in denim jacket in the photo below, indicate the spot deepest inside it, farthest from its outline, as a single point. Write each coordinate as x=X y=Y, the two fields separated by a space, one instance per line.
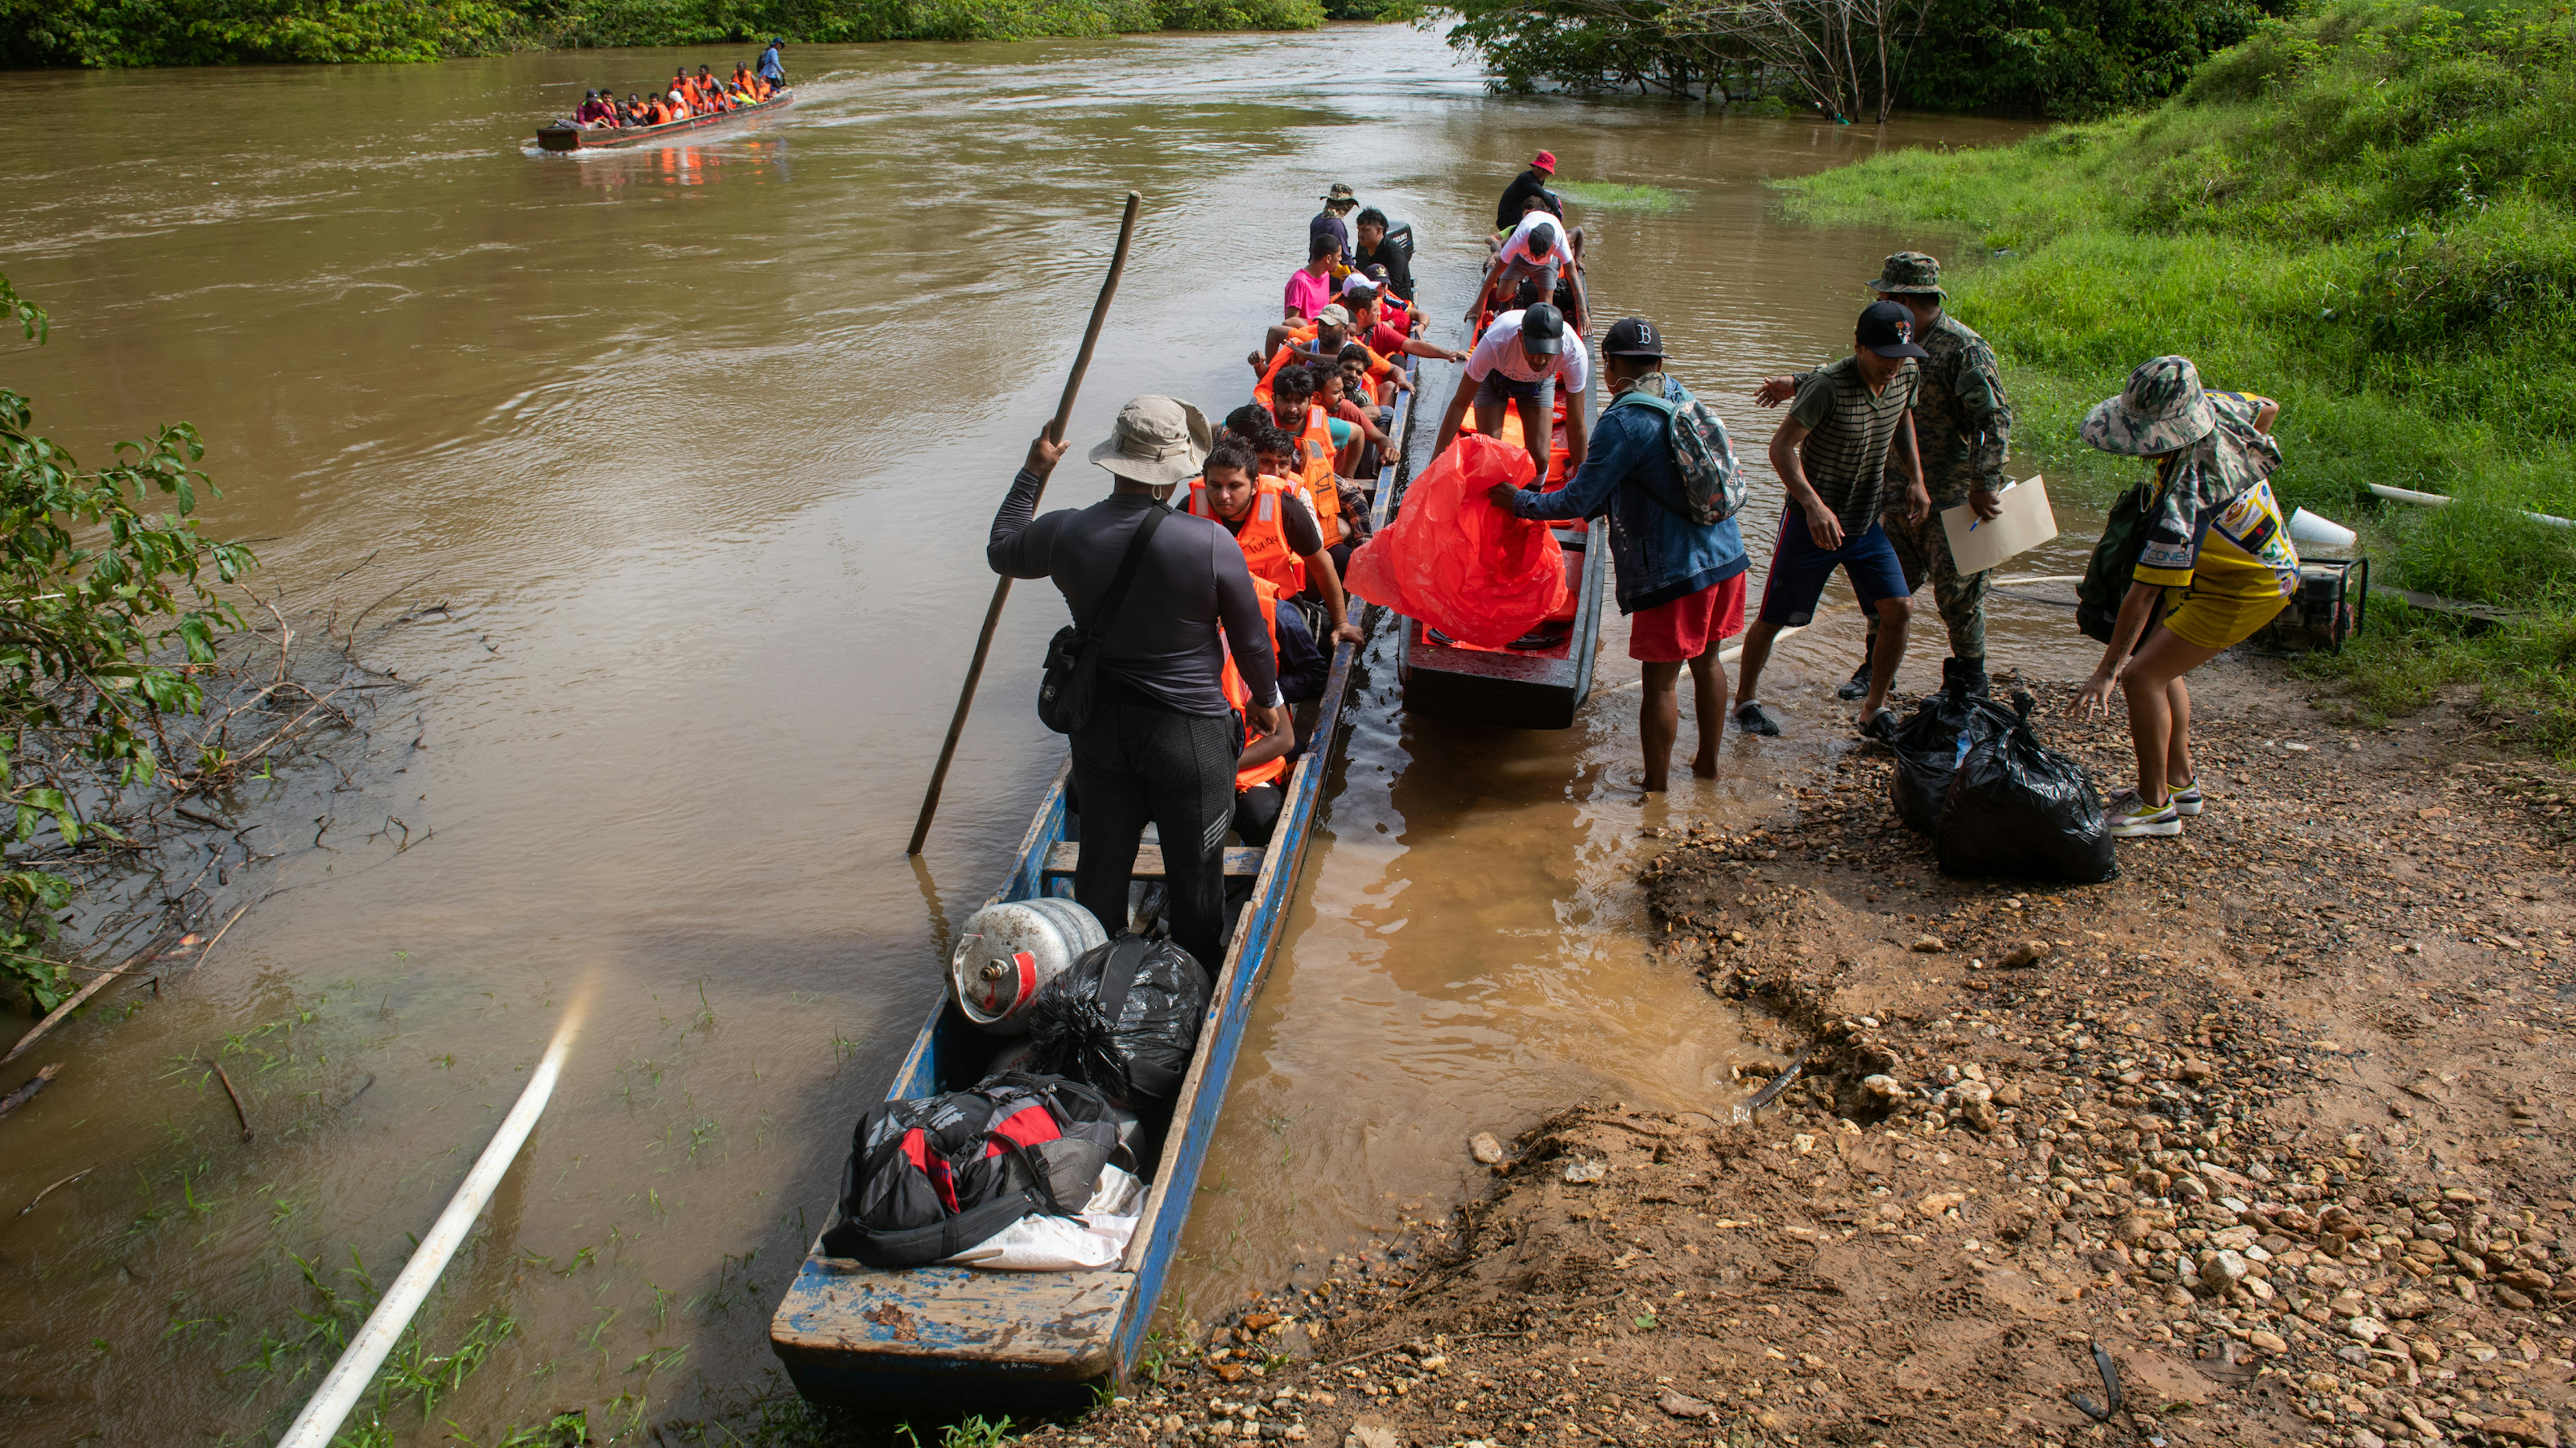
x=1682 y=582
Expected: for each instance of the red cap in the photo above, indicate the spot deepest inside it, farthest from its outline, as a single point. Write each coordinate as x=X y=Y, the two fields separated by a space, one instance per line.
x=1545 y=161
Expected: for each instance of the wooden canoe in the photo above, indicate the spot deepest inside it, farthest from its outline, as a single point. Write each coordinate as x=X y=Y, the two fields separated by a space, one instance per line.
x=1540 y=681
x=575 y=138
x=1007 y=1341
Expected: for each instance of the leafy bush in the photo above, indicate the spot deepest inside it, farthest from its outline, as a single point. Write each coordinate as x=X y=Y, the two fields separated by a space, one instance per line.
x=95 y=595
x=2370 y=214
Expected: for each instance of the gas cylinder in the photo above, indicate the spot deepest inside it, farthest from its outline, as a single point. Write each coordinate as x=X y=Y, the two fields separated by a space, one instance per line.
x=1010 y=950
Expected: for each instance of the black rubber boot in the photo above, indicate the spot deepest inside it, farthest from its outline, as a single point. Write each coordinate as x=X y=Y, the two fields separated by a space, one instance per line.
x=1857 y=686
x=1972 y=670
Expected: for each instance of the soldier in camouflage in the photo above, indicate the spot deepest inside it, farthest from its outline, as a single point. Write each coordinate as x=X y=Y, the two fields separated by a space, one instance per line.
x=1962 y=425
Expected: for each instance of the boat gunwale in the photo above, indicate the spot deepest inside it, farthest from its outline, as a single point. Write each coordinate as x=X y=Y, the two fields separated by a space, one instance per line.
x=1513 y=686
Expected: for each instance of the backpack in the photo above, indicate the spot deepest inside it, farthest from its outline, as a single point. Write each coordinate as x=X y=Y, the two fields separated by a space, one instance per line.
x=931 y=1176
x=2108 y=572
x=1712 y=484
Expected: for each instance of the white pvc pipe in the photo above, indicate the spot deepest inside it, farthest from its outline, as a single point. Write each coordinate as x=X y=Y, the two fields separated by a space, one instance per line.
x=356 y=1371
x=2436 y=500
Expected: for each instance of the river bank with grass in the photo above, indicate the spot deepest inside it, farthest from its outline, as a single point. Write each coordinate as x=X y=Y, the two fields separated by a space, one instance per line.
x=2364 y=213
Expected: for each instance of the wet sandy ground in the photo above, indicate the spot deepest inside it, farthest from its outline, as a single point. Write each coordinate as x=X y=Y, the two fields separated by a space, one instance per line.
x=2272 y=1118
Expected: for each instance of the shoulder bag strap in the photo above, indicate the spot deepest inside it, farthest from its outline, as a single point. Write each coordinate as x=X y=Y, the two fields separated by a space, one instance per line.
x=1127 y=565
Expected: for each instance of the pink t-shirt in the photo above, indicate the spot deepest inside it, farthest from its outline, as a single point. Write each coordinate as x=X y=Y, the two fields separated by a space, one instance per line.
x=1308 y=293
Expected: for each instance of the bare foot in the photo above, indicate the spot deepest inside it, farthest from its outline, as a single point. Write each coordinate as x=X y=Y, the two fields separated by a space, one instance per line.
x=1705 y=768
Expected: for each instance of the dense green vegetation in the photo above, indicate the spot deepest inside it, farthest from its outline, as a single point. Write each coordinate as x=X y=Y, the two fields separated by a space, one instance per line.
x=105 y=621
x=2365 y=213
x=214 y=32
x=2069 y=58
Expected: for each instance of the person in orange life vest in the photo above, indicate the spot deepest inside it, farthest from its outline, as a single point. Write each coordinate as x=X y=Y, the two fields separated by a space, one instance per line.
x=1319 y=340
x=1284 y=460
x=1311 y=286
x=713 y=90
x=1320 y=437
x=1260 y=792
x=1336 y=402
x=743 y=84
x=1273 y=526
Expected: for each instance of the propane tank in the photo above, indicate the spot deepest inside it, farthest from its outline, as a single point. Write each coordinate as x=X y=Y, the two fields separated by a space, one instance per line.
x=1008 y=953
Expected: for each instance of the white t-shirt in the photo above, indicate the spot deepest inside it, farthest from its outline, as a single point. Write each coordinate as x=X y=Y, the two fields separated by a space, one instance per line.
x=1518 y=248
x=1499 y=350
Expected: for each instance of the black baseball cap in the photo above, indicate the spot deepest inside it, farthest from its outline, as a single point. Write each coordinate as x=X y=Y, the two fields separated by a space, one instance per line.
x=1887 y=329
x=1542 y=330
x=1633 y=337
x=1543 y=236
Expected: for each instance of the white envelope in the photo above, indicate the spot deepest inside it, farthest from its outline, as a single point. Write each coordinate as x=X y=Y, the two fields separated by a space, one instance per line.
x=1977 y=544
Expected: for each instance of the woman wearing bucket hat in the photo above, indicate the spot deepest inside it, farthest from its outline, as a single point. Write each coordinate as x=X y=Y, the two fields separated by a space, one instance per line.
x=1161 y=741
x=2216 y=565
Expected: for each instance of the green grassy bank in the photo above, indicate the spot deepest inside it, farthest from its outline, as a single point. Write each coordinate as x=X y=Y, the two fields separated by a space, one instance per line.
x=103 y=33
x=2368 y=213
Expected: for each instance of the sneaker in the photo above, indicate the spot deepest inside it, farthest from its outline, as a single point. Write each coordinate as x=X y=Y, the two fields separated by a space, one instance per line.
x=1750 y=718
x=1857 y=686
x=2132 y=817
x=2186 y=800
x=1880 y=726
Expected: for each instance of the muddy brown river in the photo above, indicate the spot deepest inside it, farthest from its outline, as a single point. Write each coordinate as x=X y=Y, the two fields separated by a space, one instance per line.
x=699 y=446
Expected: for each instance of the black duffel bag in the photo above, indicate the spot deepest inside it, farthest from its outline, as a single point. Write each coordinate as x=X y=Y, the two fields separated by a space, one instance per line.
x=2020 y=809
x=932 y=1176
x=1125 y=1018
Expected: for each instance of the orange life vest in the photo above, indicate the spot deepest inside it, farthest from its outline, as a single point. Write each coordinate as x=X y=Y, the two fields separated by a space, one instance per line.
x=1263 y=534
x=1323 y=490
x=1239 y=694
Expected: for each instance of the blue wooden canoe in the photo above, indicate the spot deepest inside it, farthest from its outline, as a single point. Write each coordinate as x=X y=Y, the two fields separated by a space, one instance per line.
x=1005 y=1341
x=1540 y=682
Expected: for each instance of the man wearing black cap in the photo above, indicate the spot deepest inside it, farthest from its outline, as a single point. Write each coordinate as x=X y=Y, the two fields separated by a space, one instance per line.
x=1518 y=362
x=1681 y=581
x=1537 y=250
x=1832 y=450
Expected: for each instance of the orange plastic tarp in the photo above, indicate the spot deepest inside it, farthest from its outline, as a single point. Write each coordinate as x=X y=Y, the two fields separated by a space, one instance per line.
x=1458 y=563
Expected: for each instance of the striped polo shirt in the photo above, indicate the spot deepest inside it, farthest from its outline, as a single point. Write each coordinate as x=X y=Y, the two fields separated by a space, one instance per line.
x=1848 y=430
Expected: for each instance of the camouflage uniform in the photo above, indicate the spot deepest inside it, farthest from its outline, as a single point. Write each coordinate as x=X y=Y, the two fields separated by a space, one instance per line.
x=1962 y=427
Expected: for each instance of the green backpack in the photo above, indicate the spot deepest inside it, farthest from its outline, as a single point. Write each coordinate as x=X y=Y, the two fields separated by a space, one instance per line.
x=2115 y=560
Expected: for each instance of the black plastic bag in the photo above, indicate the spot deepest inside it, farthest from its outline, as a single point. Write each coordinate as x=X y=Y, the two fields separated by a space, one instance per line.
x=2018 y=808
x=1125 y=1019
x=1927 y=746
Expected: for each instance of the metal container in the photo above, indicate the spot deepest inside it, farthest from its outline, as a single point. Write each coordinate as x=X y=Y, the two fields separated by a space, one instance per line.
x=1010 y=950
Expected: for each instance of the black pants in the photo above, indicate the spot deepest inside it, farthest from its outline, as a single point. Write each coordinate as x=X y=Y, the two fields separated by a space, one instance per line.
x=1256 y=813
x=1133 y=763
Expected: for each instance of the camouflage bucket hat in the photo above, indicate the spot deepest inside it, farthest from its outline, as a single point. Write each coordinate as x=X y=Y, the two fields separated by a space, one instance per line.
x=1909 y=271
x=2160 y=410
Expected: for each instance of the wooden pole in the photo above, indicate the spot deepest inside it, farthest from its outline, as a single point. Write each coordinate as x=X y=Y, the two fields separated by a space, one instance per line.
x=1002 y=585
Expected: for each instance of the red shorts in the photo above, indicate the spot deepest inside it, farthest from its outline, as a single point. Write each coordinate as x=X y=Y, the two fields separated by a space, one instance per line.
x=1685 y=628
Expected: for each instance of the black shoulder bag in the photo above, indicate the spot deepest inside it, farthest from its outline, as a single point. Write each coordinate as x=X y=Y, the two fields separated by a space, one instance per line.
x=1071 y=683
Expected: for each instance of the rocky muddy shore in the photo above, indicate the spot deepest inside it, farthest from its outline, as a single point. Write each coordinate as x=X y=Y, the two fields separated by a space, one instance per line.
x=2274 y=1121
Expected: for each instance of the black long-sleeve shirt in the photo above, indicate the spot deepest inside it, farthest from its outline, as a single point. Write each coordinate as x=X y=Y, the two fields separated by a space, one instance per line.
x=1507 y=213
x=1163 y=644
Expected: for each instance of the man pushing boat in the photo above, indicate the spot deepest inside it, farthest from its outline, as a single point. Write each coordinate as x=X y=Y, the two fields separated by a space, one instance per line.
x=1154 y=589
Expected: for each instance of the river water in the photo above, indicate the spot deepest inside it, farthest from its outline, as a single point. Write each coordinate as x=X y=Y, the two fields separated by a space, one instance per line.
x=699 y=446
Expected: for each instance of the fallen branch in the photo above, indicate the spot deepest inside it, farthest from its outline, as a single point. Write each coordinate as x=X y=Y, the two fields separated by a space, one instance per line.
x=49 y=1191
x=238 y=1113
x=80 y=998
x=27 y=1092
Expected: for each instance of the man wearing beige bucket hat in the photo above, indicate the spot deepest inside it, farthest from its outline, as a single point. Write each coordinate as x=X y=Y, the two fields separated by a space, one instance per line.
x=2215 y=566
x=1160 y=742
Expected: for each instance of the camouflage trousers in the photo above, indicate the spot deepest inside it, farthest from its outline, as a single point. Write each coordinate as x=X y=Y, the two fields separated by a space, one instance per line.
x=1923 y=551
